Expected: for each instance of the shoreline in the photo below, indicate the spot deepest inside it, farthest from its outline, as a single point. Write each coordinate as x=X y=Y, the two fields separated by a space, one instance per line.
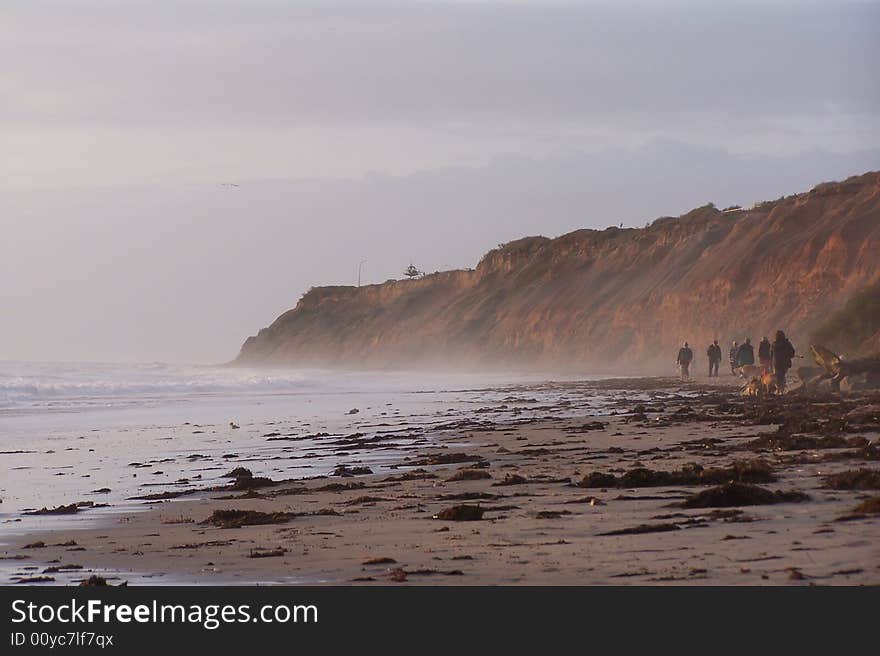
x=556 y=502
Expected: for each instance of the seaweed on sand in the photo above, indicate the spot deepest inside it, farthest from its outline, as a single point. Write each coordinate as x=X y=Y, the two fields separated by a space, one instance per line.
x=740 y=494
x=461 y=513
x=747 y=471
x=469 y=475
x=512 y=479
x=239 y=518
x=854 y=479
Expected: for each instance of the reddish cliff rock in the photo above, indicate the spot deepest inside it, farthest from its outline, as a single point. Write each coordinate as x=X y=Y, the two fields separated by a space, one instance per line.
x=596 y=299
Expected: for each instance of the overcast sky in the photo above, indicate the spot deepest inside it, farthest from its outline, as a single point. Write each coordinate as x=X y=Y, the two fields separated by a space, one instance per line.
x=427 y=130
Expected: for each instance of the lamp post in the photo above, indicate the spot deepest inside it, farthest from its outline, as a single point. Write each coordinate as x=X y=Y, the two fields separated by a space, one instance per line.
x=359 y=271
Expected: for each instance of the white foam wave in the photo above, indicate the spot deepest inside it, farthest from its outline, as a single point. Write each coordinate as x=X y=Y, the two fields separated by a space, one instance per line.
x=32 y=384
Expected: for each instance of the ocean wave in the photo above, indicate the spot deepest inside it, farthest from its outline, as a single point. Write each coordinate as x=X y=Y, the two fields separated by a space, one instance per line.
x=36 y=384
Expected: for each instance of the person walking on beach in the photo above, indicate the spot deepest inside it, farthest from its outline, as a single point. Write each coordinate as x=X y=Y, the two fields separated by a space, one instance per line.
x=734 y=348
x=685 y=357
x=746 y=353
x=764 y=359
x=714 y=353
x=781 y=354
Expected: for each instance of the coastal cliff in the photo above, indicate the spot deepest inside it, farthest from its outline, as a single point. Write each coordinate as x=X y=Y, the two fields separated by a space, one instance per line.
x=597 y=300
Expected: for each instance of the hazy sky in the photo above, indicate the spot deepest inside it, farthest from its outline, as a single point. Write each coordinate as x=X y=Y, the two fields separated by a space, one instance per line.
x=427 y=130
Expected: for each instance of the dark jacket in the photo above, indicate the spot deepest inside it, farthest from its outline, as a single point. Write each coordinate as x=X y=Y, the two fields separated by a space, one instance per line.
x=745 y=355
x=764 y=350
x=781 y=353
x=714 y=353
x=685 y=356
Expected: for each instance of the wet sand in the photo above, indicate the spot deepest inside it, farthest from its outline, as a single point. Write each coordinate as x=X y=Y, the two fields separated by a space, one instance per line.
x=642 y=495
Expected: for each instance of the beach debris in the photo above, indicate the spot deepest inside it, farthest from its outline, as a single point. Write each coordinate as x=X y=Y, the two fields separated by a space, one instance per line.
x=243 y=480
x=551 y=514
x=364 y=499
x=864 y=415
x=414 y=475
x=339 y=487
x=238 y=472
x=102 y=490
x=267 y=553
x=512 y=479
x=869 y=507
x=586 y=427
x=844 y=375
x=68 y=509
x=379 y=560
x=593 y=501
x=864 y=510
x=400 y=575
x=200 y=545
x=854 y=479
x=239 y=518
x=740 y=494
x=35 y=545
x=461 y=513
x=347 y=471
x=445 y=459
x=94 y=581
x=598 y=479
x=233 y=425
x=469 y=475
x=428 y=571
x=160 y=496
x=785 y=441
x=56 y=569
x=36 y=579
x=644 y=528
x=353 y=411
x=468 y=496
x=250 y=483
x=746 y=471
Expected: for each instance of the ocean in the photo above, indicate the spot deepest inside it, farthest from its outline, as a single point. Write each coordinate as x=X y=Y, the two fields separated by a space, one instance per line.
x=103 y=433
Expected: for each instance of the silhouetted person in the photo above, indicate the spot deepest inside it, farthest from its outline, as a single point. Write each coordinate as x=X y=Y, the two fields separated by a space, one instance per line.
x=764 y=359
x=734 y=348
x=745 y=354
x=781 y=353
x=685 y=357
x=714 y=353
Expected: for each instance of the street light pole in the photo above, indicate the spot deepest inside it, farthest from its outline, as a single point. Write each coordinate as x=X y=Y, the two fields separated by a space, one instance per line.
x=359 y=271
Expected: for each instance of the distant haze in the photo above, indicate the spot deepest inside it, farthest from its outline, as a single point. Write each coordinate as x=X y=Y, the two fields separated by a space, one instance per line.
x=174 y=175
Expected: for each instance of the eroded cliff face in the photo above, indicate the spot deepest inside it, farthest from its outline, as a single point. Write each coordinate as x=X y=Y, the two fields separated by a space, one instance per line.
x=598 y=300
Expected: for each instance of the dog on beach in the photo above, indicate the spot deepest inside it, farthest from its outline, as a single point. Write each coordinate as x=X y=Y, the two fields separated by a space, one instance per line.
x=750 y=371
x=762 y=385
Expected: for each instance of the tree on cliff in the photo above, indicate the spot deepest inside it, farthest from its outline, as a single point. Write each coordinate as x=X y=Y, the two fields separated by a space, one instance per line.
x=411 y=272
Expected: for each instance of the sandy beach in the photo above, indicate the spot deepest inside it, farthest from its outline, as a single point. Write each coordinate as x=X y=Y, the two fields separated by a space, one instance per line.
x=668 y=483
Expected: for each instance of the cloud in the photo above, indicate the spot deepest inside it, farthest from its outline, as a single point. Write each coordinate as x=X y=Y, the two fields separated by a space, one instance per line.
x=389 y=63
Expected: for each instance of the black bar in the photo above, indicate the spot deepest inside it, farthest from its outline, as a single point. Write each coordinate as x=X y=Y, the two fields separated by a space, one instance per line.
x=415 y=619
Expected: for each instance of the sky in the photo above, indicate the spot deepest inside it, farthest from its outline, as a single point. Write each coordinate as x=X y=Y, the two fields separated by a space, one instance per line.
x=174 y=174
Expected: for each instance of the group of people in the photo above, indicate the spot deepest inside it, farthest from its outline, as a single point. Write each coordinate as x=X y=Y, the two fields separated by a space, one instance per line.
x=773 y=357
